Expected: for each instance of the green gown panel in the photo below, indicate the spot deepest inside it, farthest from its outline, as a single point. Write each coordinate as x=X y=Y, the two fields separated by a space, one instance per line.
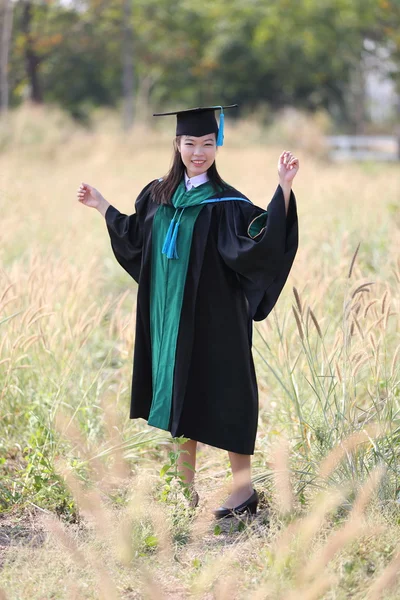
x=168 y=278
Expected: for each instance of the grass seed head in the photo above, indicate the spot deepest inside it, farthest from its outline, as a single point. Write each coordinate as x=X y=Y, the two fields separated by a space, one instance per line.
x=299 y=326
x=353 y=260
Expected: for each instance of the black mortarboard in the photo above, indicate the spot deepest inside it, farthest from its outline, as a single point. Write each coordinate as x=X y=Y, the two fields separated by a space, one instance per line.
x=199 y=121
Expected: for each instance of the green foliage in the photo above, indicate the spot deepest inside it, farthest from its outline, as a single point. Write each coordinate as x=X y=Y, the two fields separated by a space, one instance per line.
x=32 y=479
x=217 y=529
x=175 y=479
x=144 y=540
x=185 y=52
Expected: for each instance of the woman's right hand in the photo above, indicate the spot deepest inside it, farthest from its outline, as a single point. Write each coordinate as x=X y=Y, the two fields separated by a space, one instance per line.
x=89 y=196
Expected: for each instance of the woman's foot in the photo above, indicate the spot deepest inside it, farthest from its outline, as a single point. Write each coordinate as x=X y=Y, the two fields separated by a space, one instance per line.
x=249 y=505
x=238 y=496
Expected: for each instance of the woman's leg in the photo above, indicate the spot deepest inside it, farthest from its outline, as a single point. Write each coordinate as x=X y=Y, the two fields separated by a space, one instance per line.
x=242 y=486
x=191 y=447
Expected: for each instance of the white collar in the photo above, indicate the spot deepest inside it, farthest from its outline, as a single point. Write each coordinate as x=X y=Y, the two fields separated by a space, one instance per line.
x=195 y=181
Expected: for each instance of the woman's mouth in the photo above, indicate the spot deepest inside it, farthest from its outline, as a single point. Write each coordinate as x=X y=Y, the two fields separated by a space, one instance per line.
x=198 y=163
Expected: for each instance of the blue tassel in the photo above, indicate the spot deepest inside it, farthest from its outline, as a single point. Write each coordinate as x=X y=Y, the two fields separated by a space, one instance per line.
x=171 y=250
x=167 y=240
x=220 y=138
x=169 y=246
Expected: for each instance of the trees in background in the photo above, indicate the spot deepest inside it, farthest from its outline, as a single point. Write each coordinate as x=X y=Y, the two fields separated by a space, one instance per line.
x=172 y=53
x=6 y=20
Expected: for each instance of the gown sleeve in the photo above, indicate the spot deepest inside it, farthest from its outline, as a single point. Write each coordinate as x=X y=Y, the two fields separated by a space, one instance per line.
x=260 y=246
x=126 y=233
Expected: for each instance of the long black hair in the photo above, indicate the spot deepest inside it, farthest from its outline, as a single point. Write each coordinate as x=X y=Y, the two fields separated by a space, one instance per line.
x=163 y=190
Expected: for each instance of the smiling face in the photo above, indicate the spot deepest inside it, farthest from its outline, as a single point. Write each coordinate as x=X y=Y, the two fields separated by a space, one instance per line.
x=197 y=153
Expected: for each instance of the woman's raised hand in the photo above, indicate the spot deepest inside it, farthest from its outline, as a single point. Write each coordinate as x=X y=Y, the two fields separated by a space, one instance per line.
x=89 y=196
x=288 y=165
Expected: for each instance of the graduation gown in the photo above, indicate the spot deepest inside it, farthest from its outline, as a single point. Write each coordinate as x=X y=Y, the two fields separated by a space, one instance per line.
x=240 y=258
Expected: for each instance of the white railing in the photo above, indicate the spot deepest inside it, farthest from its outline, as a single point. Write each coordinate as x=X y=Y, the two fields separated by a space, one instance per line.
x=364 y=147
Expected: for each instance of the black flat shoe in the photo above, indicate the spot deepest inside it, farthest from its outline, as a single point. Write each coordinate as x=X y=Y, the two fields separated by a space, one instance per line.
x=249 y=506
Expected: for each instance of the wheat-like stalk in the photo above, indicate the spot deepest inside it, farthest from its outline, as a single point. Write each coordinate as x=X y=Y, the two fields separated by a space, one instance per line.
x=353 y=260
x=368 y=306
x=346 y=446
x=298 y=301
x=386 y=580
x=355 y=321
x=314 y=590
x=338 y=371
x=314 y=319
x=299 y=326
x=385 y=295
x=283 y=487
x=395 y=360
x=362 y=288
x=358 y=365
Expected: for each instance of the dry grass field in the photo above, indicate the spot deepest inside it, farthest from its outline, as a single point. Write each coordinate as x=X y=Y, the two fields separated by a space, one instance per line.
x=86 y=508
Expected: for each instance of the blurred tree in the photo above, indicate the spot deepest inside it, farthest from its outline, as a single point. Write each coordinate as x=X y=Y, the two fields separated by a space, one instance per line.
x=169 y=45
x=6 y=20
x=36 y=36
x=127 y=62
x=61 y=54
x=307 y=53
x=187 y=53
x=385 y=29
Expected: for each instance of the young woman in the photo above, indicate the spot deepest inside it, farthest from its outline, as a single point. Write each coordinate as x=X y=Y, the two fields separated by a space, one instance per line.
x=208 y=262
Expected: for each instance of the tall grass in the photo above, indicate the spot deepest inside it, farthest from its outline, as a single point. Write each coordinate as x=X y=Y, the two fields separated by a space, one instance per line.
x=327 y=361
x=337 y=375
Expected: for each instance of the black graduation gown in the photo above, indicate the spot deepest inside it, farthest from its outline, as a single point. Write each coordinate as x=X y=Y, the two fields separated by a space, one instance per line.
x=232 y=280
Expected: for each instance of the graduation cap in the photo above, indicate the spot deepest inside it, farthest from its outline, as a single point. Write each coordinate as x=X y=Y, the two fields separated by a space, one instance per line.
x=199 y=121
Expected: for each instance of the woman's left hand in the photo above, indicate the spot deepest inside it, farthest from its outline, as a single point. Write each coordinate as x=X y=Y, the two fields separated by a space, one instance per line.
x=288 y=165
